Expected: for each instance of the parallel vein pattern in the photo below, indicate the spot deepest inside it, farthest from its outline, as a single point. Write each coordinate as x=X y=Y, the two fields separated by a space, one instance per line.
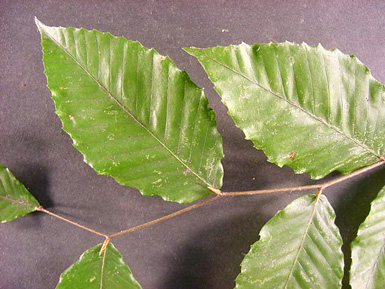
x=312 y=109
x=132 y=113
x=300 y=247
x=368 y=249
x=15 y=199
x=94 y=271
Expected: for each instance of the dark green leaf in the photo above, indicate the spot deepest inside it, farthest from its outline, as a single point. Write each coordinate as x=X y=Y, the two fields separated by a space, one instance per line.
x=368 y=249
x=94 y=271
x=312 y=109
x=132 y=113
x=300 y=247
x=15 y=200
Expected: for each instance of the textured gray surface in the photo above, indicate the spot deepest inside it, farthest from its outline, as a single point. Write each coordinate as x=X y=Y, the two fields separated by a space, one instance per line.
x=201 y=249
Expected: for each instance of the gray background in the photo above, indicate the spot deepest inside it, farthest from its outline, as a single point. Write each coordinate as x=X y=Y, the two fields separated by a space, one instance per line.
x=203 y=248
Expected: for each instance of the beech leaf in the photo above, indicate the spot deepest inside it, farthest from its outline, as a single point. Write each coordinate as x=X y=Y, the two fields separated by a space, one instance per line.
x=99 y=271
x=300 y=247
x=15 y=199
x=132 y=113
x=313 y=109
x=368 y=249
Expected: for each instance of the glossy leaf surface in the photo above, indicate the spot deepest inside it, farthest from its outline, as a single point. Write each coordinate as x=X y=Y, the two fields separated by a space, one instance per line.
x=15 y=199
x=300 y=247
x=94 y=271
x=368 y=249
x=132 y=113
x=312 y=109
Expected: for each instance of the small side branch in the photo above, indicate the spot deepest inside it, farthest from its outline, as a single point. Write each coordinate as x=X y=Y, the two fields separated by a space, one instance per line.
x=280 y=190
x=353 y=174
x=169 y=216
x=305 y=188
x=41 y=209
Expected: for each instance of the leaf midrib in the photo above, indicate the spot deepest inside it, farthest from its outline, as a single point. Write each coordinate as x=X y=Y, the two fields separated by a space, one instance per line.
x=321 y=120
x=102 y=268
x=26 y=204
x=305 y=233
x=109 y=94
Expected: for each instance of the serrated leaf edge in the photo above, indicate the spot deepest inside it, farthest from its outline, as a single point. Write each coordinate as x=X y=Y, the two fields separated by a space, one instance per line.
x=42 y=26
x=319 y=119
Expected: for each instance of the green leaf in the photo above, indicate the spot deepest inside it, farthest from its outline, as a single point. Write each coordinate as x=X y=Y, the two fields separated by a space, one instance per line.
x=15 y=200
x=94 y=271
x=368 y=249
x=132 y=113
x=300 y=247
x=312 y=109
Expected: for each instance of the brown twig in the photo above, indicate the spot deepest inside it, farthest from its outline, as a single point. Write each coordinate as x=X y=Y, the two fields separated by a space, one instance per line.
x=41 y=209
x=270 y=191
x=218 y=194
x=169 y=216
x=304 y=188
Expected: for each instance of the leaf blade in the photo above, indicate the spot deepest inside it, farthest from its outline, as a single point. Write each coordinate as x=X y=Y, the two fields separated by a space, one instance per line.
x=368 y=248
x=300 y=247
x=137 y=117
x=15 y=200
x=312 y=109
x=99 y=271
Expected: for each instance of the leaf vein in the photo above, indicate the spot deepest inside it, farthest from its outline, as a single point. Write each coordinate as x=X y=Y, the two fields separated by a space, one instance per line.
x=305 y=233
x=357 y=142
x=108 y=93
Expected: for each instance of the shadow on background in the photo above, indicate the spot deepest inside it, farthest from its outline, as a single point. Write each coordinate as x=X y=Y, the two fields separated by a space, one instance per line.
x=212 y=258
x=36 y=179
x=352 y=206
x=247 y=168
x=33 y=173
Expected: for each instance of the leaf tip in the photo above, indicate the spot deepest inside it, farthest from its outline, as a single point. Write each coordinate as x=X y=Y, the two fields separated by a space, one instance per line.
x=191 y=50
x=37 y=22
x=187 y=49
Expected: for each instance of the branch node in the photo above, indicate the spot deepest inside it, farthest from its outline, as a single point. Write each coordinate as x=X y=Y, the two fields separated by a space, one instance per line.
x=319 y=193
x=215 y=191
x=105 y=244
